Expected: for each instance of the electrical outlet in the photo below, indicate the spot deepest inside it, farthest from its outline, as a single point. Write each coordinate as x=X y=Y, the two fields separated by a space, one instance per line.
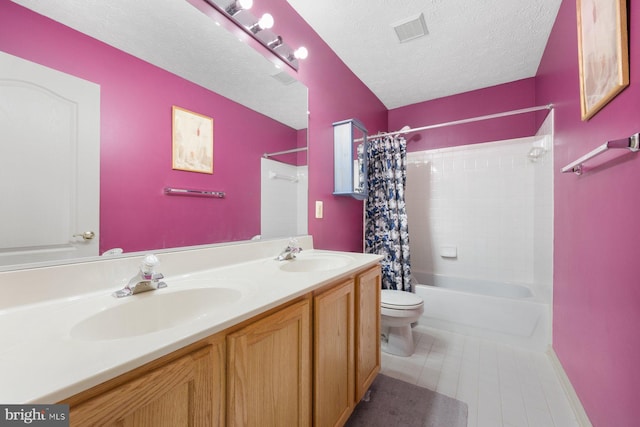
x=319 y=209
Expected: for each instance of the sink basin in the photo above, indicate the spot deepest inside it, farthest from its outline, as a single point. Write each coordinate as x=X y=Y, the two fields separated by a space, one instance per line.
x=151 y=312
x=314 y=263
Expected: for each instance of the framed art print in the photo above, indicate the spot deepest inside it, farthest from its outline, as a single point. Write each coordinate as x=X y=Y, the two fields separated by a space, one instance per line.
x=192 y=141
x=602 y=52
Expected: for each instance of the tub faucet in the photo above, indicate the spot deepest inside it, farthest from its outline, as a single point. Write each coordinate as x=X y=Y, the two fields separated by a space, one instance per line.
x=146 y=279
x=290 y=251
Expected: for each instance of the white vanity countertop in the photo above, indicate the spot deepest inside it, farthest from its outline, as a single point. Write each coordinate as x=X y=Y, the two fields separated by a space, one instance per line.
x=40 y=362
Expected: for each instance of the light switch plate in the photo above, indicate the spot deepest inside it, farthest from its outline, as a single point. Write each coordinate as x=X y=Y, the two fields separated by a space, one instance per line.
x=319 y=209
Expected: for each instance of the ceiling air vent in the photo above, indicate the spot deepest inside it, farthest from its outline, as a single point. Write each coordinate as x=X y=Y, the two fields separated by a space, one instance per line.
x=411 y=28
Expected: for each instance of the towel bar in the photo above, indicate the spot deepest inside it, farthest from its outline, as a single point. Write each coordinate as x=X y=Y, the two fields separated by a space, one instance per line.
x=632 y=144
x=198 y=193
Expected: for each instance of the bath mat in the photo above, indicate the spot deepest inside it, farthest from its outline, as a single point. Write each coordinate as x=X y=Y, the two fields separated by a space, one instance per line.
x=398 y=403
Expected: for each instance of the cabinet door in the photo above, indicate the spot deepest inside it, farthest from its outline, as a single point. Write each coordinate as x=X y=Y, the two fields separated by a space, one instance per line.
x=367 y=329
x=269 y=370
x=180 y=393
x=334 y=355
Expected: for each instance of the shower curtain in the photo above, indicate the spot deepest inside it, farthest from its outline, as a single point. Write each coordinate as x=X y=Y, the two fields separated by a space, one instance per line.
x=386 y=230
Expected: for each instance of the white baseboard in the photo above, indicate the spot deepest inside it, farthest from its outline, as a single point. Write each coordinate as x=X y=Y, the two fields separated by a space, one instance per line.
x=574 y=400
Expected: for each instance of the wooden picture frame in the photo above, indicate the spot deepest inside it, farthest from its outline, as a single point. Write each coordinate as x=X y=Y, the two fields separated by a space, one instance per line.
x=192 y=141
x=602 y=51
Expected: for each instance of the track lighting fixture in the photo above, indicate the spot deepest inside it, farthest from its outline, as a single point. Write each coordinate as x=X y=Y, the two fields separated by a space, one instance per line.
x=260 y=29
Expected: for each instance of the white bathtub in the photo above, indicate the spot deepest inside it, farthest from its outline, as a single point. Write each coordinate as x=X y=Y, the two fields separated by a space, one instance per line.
x=506 y=312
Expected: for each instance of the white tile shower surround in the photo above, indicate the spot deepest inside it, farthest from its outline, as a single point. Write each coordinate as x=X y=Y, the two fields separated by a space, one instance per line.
x=283 y=209
x=490 y=202
x=504 y=386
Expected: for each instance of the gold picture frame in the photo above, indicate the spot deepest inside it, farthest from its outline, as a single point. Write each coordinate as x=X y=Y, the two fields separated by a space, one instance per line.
x=192 y=141
x=602 y=51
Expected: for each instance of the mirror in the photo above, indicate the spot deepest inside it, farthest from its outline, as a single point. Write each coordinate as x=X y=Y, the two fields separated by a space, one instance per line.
x=179 y=51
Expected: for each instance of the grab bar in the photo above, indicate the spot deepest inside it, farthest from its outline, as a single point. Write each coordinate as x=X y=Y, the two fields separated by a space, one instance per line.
x=198 y=193
x=632 y=144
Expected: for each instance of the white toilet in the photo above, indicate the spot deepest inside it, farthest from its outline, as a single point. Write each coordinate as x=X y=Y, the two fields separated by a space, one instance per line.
x=399 y=310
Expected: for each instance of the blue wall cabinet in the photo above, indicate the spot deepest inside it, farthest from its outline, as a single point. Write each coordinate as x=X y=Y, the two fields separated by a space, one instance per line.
x=350 y=159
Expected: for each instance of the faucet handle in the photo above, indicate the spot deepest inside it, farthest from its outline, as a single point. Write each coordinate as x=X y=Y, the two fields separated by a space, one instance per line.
x=151 y=260
x=149 y=263
x=292 y=246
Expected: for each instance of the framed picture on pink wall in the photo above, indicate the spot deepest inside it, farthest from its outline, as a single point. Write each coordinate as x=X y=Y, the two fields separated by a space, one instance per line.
x=192 y=141
x=602 y=51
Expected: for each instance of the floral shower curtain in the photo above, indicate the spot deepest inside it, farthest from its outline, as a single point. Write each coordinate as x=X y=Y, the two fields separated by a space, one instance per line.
x=386 y=230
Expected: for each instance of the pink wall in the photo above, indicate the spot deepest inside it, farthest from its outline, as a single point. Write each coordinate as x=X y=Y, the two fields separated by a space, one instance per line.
x=334 y=94
x=136 y=101
x=596 y=309
x=497 y=99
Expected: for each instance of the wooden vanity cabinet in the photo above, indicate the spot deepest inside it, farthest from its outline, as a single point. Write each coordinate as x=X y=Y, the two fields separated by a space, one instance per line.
x=269 y=370
x=346 y=345
x=185 y=388
x=333 y=355
x=367 y=329
x=307 y=362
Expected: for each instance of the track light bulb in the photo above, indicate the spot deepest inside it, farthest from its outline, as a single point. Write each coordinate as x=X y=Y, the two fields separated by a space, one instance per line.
x=266 y=21
x=238 y=6
x=245 y=4
x=263 y=23
x=301 y=53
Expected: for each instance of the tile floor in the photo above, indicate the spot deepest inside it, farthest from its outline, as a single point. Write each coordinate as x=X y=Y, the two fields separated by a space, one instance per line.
x=504 y=386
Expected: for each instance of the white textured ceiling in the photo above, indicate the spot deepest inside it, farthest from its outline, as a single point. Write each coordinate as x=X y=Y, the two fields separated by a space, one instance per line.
x=175 y=36
x=471 y=44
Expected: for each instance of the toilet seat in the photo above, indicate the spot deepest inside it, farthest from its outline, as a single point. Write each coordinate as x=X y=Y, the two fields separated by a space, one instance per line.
x=399 y=300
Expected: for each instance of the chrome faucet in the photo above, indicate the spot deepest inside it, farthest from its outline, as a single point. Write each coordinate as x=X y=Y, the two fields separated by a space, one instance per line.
x=290 y=251
x=146 y=279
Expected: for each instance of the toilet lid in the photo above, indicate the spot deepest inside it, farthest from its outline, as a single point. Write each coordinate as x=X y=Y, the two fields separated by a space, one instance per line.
x=399 y=299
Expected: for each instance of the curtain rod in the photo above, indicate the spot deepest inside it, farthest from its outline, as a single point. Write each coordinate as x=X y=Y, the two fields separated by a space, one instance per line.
x=469 y=120
x=293 y=150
